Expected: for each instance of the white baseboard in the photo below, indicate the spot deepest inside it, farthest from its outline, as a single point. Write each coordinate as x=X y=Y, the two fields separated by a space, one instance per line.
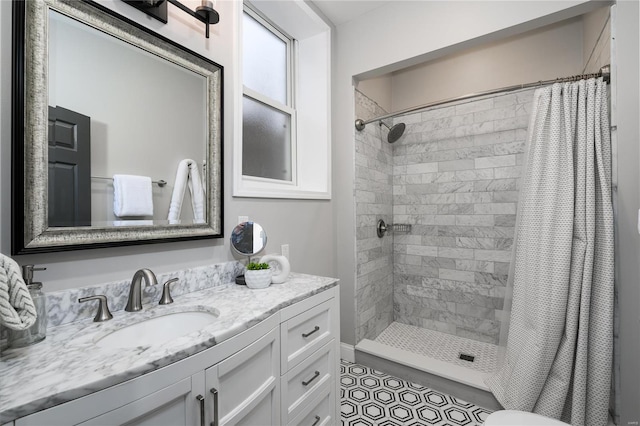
x=347 y=352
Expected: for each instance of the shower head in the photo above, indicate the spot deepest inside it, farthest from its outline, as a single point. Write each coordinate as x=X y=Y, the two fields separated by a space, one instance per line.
x=395 y=131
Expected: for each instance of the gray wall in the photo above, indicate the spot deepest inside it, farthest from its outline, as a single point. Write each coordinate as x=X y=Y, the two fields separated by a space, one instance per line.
x=305 y=225
x=625 y=91
x=540 y=54
x=596 y=39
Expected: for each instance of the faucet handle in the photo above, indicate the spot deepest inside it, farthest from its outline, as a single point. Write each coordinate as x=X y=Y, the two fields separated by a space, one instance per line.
x=103 y=313
x=27 y=273
x=166 y=292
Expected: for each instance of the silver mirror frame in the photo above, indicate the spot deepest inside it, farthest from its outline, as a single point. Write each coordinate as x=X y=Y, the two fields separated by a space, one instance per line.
x=31 y=233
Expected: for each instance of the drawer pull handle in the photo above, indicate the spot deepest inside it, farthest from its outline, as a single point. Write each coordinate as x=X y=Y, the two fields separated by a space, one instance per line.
x=315 y=376
x=200 y=399
x=305 y=335
x=214 y=391
x=316 y=422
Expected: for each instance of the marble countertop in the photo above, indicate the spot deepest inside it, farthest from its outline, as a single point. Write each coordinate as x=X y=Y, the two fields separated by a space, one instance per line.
x=68 y=365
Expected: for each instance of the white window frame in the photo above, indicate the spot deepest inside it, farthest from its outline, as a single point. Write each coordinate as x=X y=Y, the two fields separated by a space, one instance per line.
x=310 y=179
x=289 y=108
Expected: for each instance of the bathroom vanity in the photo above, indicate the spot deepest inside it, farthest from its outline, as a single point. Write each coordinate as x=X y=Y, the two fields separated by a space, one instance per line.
x=266 y=357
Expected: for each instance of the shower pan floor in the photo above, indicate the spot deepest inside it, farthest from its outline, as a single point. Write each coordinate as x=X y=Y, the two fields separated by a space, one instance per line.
x=441 y=346
x=433 y=359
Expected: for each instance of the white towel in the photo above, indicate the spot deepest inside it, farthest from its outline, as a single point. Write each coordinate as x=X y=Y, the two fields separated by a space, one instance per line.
x=133 y=223
x=187 y=174
x=132 y=196
x=17 y=310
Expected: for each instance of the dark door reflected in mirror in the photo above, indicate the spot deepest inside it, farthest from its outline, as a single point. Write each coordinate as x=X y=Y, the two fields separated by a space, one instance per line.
x=69 y=168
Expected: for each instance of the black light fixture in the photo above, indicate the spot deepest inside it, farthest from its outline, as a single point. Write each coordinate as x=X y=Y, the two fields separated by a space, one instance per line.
x=204 y=13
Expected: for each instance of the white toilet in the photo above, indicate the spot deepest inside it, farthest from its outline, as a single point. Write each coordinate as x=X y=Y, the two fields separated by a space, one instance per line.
x=520 y=418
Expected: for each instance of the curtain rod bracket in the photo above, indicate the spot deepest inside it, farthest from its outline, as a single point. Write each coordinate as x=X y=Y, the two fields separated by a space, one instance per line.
x=605 y=72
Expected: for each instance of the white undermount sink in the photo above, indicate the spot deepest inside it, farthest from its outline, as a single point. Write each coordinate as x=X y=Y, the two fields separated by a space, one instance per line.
x=157 y=330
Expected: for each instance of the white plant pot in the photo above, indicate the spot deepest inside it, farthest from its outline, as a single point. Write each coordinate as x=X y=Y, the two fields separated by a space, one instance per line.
x=258 y=279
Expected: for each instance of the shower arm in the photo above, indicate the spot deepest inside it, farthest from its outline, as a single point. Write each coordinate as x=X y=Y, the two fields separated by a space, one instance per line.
x=605 y=73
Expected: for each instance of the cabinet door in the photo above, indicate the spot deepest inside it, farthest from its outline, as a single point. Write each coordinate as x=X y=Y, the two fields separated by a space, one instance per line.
x=174 y=405
x=245 y=388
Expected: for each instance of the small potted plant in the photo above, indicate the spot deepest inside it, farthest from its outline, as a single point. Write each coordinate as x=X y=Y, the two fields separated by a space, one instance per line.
x=258 y=275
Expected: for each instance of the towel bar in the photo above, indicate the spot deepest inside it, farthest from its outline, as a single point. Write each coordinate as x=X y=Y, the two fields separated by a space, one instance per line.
x=161 y=183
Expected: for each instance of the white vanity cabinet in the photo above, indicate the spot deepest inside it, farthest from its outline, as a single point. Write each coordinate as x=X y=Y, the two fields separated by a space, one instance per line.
x=245 y=388
x=242 y=389
x=270 y=374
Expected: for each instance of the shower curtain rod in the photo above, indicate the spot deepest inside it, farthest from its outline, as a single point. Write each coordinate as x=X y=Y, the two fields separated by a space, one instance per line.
x=605 y=73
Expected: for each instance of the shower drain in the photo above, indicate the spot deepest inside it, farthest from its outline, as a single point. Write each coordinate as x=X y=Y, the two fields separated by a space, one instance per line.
x=466 y=357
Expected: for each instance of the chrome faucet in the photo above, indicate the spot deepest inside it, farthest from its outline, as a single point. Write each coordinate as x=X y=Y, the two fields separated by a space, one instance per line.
x=135 y=291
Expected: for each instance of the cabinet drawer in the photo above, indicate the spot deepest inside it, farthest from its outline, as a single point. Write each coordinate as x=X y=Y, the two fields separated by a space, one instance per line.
x=306 y=333
x=319 y=412
x=303 y=382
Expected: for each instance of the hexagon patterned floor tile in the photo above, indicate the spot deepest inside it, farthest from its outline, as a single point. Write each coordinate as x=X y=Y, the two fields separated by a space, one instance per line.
x=370 y=397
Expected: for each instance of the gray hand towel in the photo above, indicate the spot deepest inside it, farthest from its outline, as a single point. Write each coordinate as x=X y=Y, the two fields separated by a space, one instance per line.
x=17 y=310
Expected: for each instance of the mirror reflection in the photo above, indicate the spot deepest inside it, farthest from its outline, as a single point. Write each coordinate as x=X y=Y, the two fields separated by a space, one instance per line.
x=248 y=238
x=116 y=110
x=117 y=132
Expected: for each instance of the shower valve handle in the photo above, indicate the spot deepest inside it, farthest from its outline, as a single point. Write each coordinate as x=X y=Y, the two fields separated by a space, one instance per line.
x=381 y=229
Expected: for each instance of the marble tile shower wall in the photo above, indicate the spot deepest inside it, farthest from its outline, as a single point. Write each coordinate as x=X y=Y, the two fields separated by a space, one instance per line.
x=456 y=177
x=373 y=197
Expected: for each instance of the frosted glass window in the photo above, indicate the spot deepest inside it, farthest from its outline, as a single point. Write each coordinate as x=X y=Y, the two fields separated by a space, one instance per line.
x=266 y=144
x=264 y=56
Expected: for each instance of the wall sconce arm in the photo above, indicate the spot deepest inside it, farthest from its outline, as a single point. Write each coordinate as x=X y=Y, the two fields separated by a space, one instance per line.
x=204 y=13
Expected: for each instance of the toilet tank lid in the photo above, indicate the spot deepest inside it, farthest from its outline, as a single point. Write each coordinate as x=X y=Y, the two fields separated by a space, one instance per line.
x=520 y=418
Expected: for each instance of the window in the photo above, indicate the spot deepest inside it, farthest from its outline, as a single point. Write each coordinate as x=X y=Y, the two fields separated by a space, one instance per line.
x=268 y=115
x=282 y=143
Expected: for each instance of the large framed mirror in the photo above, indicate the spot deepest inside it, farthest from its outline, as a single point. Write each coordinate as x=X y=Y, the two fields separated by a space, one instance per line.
x=117 y=132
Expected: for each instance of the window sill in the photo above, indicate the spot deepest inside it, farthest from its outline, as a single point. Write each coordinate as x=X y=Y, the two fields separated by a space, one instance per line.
x=288 y=193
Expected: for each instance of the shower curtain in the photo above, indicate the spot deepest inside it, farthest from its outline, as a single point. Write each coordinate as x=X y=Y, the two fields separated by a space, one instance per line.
x=560 y=341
